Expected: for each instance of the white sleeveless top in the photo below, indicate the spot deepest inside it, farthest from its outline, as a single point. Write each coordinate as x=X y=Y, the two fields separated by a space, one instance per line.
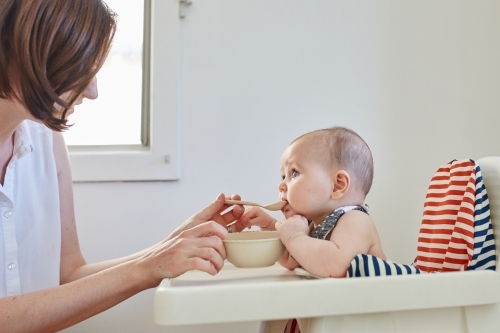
x=30 y=228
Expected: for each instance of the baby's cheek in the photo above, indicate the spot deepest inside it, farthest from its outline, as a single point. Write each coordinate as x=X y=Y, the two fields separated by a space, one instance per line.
x=300 y=202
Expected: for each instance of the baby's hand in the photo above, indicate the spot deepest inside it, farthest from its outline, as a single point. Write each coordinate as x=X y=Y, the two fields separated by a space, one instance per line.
x=292 y=227
x=255 y=216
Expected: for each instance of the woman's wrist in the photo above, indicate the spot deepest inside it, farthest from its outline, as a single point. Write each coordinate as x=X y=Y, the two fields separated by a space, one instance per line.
x=138 y=271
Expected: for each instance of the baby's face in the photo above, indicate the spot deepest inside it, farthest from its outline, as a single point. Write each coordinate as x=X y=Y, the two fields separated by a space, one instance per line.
x=307 y=183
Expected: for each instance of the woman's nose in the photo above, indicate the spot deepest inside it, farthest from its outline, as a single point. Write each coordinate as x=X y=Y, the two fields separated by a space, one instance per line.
x=91 y=91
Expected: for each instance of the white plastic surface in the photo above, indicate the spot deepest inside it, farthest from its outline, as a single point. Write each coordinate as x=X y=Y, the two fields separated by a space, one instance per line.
x=273 y=293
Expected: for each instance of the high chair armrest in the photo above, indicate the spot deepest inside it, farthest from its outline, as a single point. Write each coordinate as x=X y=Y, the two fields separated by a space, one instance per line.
x=279 y=294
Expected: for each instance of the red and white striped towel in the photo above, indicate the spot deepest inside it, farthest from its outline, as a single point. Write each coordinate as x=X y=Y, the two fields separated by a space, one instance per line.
x=455 y=233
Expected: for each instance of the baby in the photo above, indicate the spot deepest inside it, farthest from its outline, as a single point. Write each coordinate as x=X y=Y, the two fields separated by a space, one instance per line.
x=326 y=175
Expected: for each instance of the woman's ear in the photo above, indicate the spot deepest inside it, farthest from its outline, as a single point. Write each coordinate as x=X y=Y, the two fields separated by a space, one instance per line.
x=341 y=184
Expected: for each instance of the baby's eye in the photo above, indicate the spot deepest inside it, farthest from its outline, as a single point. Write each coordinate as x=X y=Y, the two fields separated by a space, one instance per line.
x=295 y=174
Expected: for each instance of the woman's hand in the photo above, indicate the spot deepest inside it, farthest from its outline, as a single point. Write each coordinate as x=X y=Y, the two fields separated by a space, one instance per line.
x=195 y=245
x=254 y=216
x=213 y=212
x=199 y=248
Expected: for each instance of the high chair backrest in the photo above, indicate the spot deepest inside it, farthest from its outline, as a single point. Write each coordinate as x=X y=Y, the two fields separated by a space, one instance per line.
x=490 y=170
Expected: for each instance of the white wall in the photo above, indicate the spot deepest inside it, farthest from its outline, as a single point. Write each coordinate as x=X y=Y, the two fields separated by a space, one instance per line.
x=419 y=80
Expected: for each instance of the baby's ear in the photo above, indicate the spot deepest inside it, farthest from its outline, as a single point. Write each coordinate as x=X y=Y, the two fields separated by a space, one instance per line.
x=341 y=184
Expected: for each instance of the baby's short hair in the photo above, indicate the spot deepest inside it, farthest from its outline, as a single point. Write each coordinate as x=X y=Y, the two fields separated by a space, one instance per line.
x=348 y=151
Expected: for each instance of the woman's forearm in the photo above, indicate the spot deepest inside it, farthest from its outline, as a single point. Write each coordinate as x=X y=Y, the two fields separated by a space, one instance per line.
x=54 y=309
x=89 y=269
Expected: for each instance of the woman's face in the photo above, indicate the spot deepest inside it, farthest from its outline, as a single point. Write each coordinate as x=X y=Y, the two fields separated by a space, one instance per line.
x=90 y=93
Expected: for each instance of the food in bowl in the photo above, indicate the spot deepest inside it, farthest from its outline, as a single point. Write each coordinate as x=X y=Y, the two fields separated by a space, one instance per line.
x=252 y=249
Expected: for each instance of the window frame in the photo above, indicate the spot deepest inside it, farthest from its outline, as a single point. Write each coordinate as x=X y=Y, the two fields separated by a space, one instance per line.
x=157 y=159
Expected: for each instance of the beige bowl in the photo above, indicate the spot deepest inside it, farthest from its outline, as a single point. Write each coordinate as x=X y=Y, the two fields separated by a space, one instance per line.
x=253 y=248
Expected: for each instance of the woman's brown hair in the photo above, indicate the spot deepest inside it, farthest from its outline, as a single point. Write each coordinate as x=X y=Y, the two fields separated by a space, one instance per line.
x=50 y=47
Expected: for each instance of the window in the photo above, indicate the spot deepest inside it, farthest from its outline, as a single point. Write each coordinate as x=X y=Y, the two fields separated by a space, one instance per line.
x=121 y=75
x=114 y=137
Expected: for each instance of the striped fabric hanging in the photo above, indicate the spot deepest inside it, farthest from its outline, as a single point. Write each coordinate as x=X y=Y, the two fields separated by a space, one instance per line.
x=456 y=232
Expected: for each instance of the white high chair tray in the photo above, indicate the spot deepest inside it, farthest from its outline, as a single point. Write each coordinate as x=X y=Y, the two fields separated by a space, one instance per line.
x=273 y=293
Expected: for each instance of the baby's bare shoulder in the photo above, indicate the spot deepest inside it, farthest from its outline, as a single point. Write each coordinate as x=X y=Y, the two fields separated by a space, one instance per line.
x=356 y=221
x=357 y=217
x=355 y=233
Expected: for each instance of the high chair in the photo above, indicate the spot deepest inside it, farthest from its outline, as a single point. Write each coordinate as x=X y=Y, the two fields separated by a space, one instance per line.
x=464 y=302
x=451 y=302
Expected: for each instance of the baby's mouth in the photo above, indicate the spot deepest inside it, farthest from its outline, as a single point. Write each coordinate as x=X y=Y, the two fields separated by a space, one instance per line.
x=285 y=207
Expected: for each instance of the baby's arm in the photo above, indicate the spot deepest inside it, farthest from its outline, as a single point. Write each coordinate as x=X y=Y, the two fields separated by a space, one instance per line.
x=255 y=216
x=287 y=261
x=354 y=234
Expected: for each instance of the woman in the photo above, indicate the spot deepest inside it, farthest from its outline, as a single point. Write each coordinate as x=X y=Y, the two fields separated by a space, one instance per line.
x=50 y=52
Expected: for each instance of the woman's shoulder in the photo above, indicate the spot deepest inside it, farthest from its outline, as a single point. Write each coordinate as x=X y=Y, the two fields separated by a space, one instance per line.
x=35 y=126
x=47 y=145
x=38 y=132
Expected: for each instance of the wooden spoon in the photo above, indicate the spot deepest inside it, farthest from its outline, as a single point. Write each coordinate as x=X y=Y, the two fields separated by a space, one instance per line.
x=275 y=206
